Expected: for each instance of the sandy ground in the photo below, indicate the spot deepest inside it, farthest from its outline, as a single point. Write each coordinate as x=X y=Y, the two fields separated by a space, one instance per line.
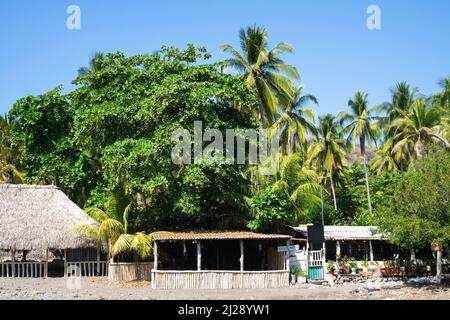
x=100 y=289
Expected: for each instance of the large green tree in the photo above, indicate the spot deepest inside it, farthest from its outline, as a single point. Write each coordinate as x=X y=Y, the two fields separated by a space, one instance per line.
x=417 y=215
x=116 y=129
x=43 y=130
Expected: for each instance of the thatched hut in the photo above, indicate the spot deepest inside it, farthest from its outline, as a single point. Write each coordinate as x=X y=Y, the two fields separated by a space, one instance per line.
x=38 y=218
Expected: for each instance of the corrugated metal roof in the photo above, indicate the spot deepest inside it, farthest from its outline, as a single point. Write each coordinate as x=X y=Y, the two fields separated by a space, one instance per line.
x=218 y=235
x=347 y=232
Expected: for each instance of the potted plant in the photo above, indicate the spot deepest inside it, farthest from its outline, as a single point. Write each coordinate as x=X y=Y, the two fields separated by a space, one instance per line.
x=331 y=267
x=294 y=273
x=378 y=268
x=396 y=268
x=387 y=267
x=345 y=264
x=353 y=265
x=365 y=264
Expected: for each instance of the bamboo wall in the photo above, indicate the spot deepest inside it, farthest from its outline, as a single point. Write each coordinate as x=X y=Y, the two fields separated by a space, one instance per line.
x=130 y=271
x=193 y=280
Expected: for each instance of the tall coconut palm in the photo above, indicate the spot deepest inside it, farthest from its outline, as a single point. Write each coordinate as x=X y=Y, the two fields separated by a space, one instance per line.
x=402 y=100
x=403 y=97
x=328 y=152
x=361 y=124
x=419 y=127
x=297 y=121
x=264 y=70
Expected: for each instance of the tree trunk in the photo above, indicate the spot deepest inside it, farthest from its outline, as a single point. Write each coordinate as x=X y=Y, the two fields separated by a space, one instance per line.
x=332 y=189
x=417 y=149
x=366 y=173
x=262 y=105
x=439 y=266
x=411 y=158
x=261 y=114
x=321 y=201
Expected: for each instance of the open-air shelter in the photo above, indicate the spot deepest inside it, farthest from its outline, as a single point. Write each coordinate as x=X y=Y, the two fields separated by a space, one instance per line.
x=219 y=260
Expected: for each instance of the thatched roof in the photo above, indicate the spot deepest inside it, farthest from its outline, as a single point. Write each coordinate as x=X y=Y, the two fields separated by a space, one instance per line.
x=39 y=217
x=217 y=235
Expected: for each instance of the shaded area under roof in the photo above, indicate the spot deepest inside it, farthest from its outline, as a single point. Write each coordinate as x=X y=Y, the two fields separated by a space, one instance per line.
x=39 y=217
x=218 y=235
x=346 y=232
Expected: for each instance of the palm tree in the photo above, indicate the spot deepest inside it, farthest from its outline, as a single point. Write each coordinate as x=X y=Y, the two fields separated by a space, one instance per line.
x=444 y=96
x=419 y=127
x=386 y=159
x=328 y=152
x=8 y=153
x=113 y=229
x=360 y=124
x=299 y=182
x=403 y=97
x=443 y=102
x=296 y=122
x=9 y=174
x=264 y=70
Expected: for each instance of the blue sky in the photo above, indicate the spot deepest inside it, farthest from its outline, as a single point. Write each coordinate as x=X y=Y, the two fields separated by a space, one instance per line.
x=335 y=52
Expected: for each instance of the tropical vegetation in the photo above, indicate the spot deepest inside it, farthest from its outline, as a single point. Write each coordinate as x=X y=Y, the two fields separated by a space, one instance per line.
x=108 y=144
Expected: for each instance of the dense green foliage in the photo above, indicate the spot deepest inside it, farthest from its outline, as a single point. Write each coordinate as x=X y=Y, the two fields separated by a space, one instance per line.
x=113 y=135
x=417 y=213
x=272 y=209
x=115 y=130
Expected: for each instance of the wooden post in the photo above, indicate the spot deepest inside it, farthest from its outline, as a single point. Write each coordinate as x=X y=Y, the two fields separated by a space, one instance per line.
x=324 y=255
x=439 y=266
x=155 y=255
x=371 y=251
x=46 y=264
x=338 y=249
x=13 y=260
x=111 y=258
x=307 y=258
x=199 y=256
x=65 y=263
x=98 y=260
x=288 y=267
x=241 y=245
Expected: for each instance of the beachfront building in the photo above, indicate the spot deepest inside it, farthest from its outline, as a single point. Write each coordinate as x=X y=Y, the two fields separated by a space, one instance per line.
x=37 y=222
x=359 y=242
x=219 y=260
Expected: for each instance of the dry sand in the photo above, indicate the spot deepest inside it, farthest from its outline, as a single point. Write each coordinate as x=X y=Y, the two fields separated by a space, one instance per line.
x=101 y=289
